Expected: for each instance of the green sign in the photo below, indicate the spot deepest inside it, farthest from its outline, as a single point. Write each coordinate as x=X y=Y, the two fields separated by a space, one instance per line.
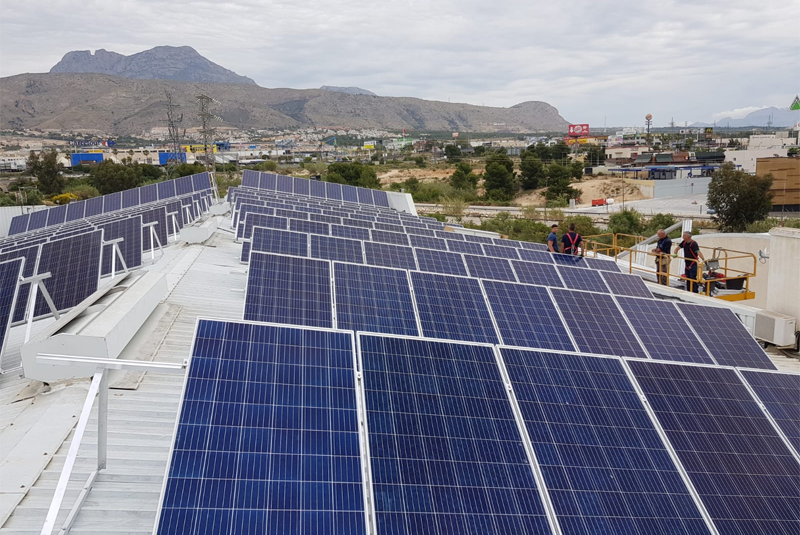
x=796 y=104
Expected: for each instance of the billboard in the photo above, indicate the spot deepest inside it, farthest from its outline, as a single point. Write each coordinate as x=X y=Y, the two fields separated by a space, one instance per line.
x=578 y=129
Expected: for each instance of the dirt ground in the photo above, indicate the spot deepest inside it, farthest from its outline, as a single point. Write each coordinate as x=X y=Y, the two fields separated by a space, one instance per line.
x=401 y=175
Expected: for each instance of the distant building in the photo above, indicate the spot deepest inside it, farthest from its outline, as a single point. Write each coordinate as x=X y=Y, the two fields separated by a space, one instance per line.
x=786 y=184
x=747 y=159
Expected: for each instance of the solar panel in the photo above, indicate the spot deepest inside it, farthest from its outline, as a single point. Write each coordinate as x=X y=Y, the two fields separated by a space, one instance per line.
x=535 y=256
x=268 y=181
x=356 y=233
x=582 y=279
x=485 y=267
x=262 y=220
x=381 y=198
x=465 y=247
x=449 y=235
x=744 y=473
x=390 y=227
x=446 y=454
x=159 y=215
x=395 y=256
x=249 y=178
x=569 y=260
x=624 y=284
x=349 y=193
x=183 y=185
x=452 y=308
x=285 y=289
x=420 y=231
x=166 y=189
x=725 y=337
x=248 y=208
x=440 y=262
x=533 y=246
x=317 y=189
x=321 y=218
x=267 y=436
x=201 y=182
x=29 y=254
x=393 y=238
x=94 y=206
x=10 y=272
x=291 y=214
x=506 y=242
x=780 y=394
x=603 y=461
x=333 y=191
x=500 y=252
x=597 y=324
x=309 y=227
x=74 y=264
x=535 y=273
x=284 y=183
x=601 y=264
x=526 y=316
x=56 y=215
x=663 y=331
x=350 y=222
x=19 y=224
x=425 y=242
x=301 y=186
x=112 y=202
x=130 y=229
x=339 y=249
x=364 y=196
x=478 y=239
x=267 y=240
x=39 y=219
x=130 y=197
x=148 y=194
x=373 y=299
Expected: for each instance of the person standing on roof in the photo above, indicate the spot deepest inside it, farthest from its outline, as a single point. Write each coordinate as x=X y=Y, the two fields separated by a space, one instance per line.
x=691 y=255
x=571 y=241
x=663 y=249
x=552 y=239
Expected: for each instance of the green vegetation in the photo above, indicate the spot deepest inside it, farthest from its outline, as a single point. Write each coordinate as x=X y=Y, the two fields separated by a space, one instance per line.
x=353 y=174
x=464 y=180
x=738 y=198
x=514 y=228
x=766 y=224
x=47 y=170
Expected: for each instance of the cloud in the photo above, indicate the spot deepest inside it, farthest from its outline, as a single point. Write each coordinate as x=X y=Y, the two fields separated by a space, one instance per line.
x=608 y=60
x=738 y=113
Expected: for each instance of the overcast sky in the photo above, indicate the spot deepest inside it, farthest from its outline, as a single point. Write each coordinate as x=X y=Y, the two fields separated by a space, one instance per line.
x=609 y=60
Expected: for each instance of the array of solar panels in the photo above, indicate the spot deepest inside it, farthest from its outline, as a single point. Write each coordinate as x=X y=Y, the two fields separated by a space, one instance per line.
x=407 y=399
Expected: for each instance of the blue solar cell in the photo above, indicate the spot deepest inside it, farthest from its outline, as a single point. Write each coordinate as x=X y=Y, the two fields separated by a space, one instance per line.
x=360 y=223
x=395 y=256
x=74 y=265
x=780 y=394
x=569 y=260
x=174 y=207
x=250 y=178
x=659 y=325
x=268 y=240
x=29 y=254
x=485 y=267
x=262 y=220
x=94 y=206
x=500 y=252
x=56 y=215
x=425 y=242
x=535 y=256
x=603 y=461
x=725 y=337
x=624 y=284
x=440 y=262
x=10 y=272
x=456 y=246
x=339 y=249
x=333 y=191
x=446 y=454
x=744 y=473
x=245 y=209
x=355 y=233
x=309 y=227
x=112 y=202
x=39 y=219
x=183 y=185
x=148 y=194
x=268 y=181
x=291 y=214
x=373 y=299
x=582 y=279
x=601 y=264
x=284 y=184
x=284 y=289
x=533 y=246
x=597 y=324
x=390 y=227
x=159 y=216
x=445 y=235
x=393 y=238
x=419 y=231
x=302 y=186
x=381 y=198
x=317 y=189
x=201 y=182
x=526 y=316
x=19 y=224
x=452 y=308
x=322 y=218
x=365 y=196
x=349 y=193
x=536 y=273
x=166 y=190
x=507 y=243
x=363 y=215
x=130 y=229
x=268 y=435
x=478 y=239
x=130 y=197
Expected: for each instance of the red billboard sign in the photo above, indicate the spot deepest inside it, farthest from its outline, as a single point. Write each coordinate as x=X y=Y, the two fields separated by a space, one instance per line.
x=579 y=129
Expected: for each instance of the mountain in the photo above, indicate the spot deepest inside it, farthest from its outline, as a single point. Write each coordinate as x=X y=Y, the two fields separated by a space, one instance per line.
x=781 y=117
x=182 y=63
x=123 y=106
x=347 y=90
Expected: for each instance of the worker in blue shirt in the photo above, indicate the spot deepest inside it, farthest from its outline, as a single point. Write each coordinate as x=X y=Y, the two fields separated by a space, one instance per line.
x=663 y=249
x=552 y=239
x=571 y=241
x=691 y=254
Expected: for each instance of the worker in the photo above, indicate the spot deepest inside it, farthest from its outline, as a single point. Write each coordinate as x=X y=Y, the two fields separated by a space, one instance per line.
x=663 y=249
x=552 y=239
x=570 y=242
x=691 y=254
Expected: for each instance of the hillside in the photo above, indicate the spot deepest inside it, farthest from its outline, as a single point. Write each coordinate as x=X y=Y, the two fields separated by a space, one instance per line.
x=120 y=106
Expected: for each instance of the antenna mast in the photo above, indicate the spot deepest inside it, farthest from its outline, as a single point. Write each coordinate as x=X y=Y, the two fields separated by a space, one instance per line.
x=174 y=135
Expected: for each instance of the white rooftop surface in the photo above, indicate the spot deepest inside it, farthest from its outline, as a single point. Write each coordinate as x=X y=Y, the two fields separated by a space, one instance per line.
x=204 y=280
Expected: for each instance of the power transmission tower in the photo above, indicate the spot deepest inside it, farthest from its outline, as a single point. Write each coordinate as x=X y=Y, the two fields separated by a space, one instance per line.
x=204 y=103
x=174 y=135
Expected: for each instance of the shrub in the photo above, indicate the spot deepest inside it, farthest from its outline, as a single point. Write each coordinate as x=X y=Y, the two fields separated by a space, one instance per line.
x=82 y=191
x=65 y=198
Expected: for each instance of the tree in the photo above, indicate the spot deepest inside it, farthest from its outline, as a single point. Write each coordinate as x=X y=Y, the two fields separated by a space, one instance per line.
x=452 y=152
x=501 y=158
x=576 y=170
x=463 y=178
x=559 y=151
x=480 y=150
x=498 y=181
x=186 y=169
x=595 y=155
x=354 y=174
x=626 y=221
x=531 y=171
x=540 y=150
x=109 y=177
x=738 y=198
x=47 y=170
x=558 y=182
x=151 y=172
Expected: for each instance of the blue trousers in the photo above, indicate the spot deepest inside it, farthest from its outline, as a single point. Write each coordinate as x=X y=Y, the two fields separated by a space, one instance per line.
x=691 y=276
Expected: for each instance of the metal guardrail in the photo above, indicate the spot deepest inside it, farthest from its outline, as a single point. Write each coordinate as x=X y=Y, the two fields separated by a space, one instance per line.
x=99 y=389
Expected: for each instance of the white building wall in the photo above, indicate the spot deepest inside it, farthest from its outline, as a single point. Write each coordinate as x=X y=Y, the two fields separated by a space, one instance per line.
x=746 y=159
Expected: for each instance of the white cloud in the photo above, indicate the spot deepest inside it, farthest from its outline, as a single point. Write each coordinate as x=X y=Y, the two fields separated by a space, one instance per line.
x=738 y=113
x=613 y=59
